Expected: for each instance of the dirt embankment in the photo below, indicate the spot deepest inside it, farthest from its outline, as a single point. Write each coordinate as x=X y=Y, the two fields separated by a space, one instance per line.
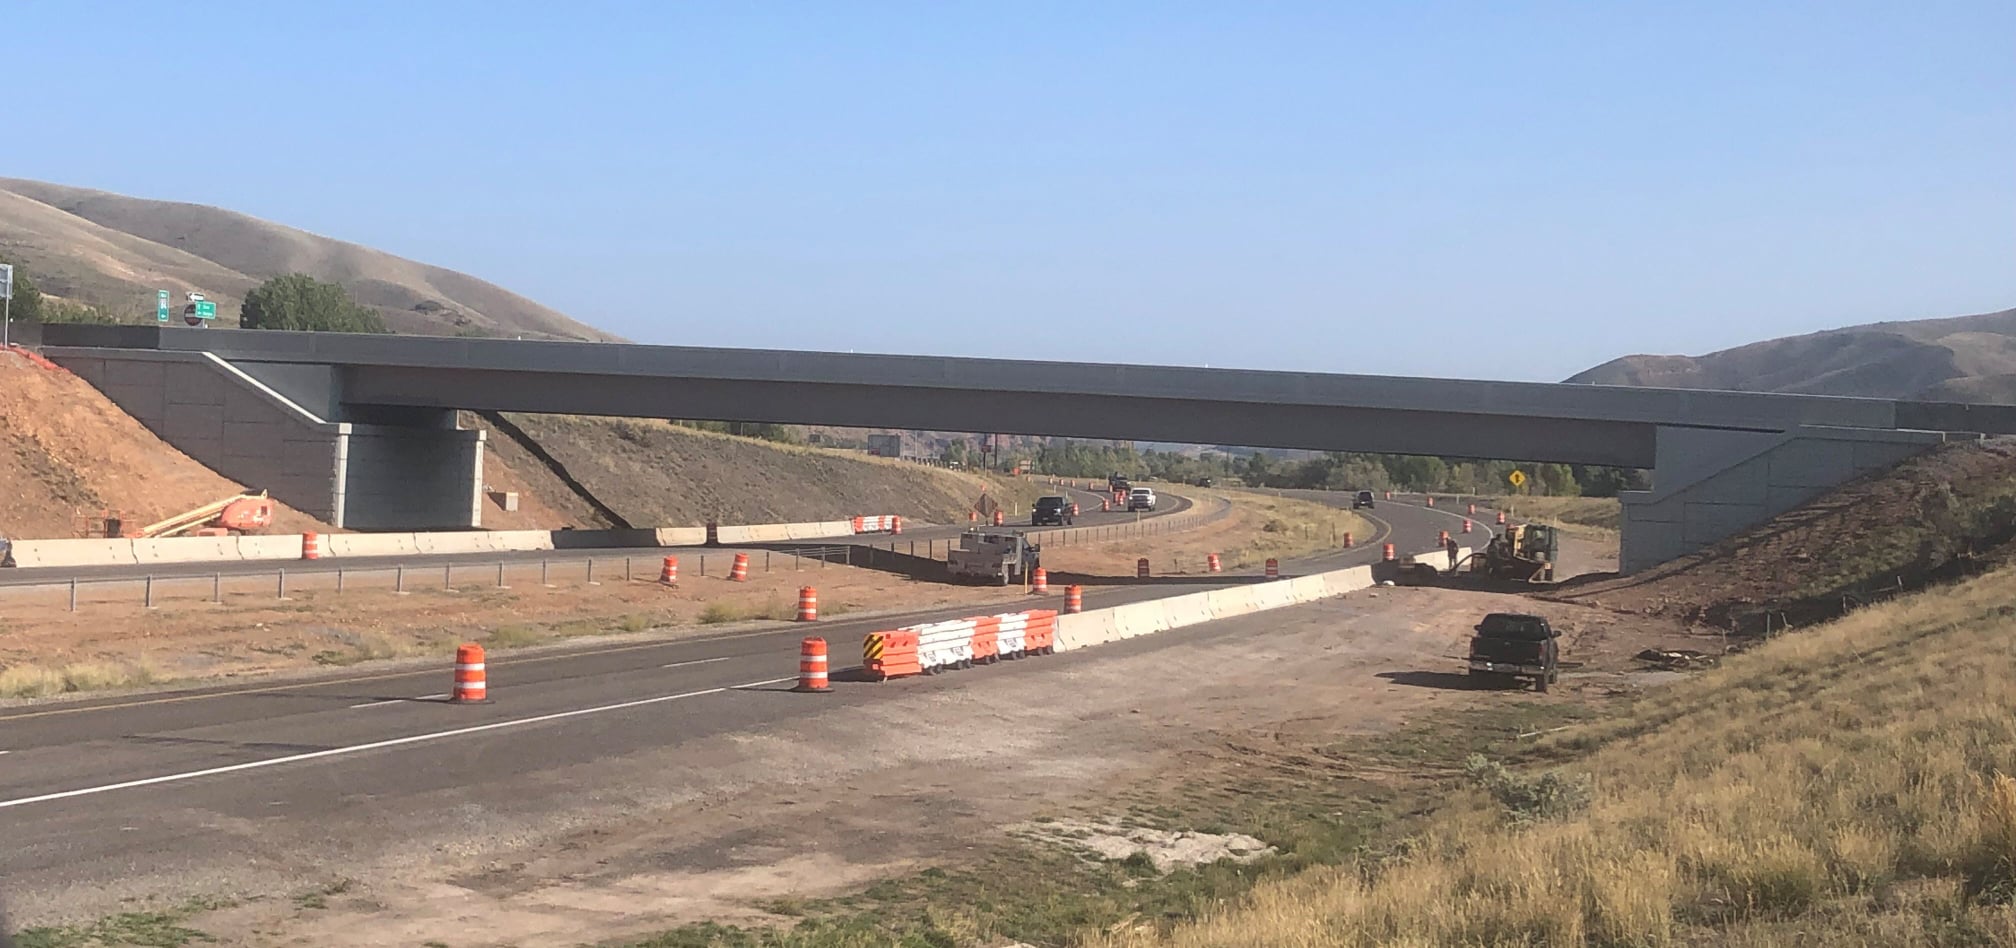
x=1948 y=513
x=602 y=471
x=66 y=450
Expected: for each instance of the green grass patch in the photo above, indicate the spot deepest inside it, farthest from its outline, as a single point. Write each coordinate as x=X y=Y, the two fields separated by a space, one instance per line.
x=513 y=636
x=158 y=929
x=1317 y=806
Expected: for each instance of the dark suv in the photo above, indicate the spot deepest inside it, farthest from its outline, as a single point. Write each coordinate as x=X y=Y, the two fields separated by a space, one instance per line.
x=1510 y=646
x=1050 y=510
x=1364 y=499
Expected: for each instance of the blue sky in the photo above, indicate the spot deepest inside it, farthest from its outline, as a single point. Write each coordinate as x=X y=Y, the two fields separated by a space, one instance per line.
x=1489 y=190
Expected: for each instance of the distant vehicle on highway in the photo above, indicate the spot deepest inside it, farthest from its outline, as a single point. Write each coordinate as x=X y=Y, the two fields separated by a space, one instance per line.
x=1141 y=498
x=1050 y=510
x=1203 y=482
x=1115 y=482
x=1509 y=646
x=1364 y=499
x=999 y=558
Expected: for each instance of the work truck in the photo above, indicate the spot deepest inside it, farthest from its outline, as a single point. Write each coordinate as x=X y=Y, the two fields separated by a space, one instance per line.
x=998 y=557
x=1510 y=646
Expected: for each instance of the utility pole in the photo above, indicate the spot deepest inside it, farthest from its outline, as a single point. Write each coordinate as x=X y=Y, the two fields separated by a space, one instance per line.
x=6 y=303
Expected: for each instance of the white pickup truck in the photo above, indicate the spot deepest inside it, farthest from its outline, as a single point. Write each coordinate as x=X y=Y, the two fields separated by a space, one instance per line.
x=1141 y=498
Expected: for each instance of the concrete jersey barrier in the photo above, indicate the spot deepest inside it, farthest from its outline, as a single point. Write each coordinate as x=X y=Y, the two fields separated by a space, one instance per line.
x=1099 y=626
x=31 y=554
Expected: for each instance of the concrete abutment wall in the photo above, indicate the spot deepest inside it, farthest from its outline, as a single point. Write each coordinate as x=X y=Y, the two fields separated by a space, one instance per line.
x=357 y=476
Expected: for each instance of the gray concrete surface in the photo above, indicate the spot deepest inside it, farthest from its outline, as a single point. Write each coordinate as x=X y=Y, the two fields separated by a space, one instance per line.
x=107 y=792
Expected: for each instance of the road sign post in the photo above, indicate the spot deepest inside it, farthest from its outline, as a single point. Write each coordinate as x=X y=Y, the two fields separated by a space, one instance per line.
x=6 y=304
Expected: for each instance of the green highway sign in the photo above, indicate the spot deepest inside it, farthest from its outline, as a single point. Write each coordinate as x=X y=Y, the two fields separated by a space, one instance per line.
x=161 y=306
x=206 y=309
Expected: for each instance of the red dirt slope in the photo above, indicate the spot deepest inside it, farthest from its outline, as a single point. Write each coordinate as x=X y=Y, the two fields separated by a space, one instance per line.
x=65 y=449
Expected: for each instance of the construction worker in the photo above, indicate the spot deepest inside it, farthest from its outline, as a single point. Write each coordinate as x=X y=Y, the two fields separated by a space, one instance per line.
x=1450 y=545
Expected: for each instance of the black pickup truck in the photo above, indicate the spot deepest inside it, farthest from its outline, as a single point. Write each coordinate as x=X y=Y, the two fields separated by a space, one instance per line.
x=1509 y=646
x=1051 y=510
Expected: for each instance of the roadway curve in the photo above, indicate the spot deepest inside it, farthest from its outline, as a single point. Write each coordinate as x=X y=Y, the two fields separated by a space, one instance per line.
x=132 y=790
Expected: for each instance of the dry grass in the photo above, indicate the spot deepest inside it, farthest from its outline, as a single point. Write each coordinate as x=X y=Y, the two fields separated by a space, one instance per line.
x=1844 y=786
x=1586 y=516
x=1283 y=527
x=40 y=681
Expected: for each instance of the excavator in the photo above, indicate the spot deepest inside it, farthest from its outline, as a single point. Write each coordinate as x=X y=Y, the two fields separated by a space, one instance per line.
x=1524 y=552
x=245 y=513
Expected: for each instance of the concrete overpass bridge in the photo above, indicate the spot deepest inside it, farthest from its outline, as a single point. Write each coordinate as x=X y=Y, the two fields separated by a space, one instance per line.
x=361 y=429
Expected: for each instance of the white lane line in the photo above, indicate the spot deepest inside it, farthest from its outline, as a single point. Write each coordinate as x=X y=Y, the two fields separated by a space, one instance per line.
x=380 y=704
x=697 y=661
x=357 y=748
x=758 y=684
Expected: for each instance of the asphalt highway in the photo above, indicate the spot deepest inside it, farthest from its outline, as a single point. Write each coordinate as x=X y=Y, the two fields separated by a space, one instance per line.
x=922 y=534
x=161 y=784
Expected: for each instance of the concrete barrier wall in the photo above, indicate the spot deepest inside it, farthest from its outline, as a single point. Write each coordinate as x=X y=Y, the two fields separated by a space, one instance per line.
x=820 y=530
x=1087 y=629
x=186 y=550
x=682 y=536
x=30 y=554
x=282 y=547
x=370 y=544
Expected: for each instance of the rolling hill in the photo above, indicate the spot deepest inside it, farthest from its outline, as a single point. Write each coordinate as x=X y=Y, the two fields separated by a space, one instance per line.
x=1962 y=358
x=112 y=252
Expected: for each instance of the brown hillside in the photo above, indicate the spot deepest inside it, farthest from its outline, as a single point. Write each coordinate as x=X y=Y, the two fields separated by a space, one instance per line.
x=113 y=251
x=652 y=473
x=64 y=447
x=1964 y=358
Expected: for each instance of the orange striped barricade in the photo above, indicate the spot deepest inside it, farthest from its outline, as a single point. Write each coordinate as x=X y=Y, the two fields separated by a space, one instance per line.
x=888 y=655
x=311 y=546
x=1074 y=599
x=1012 y=633
x=472 y=680
x=812 y=666
x=945 y=646
x=739 y=572
x=986 y=640
x=808 y=605
x=858 y=524
x=1039 y=637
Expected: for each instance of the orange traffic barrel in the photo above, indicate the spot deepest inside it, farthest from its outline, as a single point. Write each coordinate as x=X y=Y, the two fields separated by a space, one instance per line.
x=1347 y=539
x=808 y=604
x=669 y=573
x=1074 y=599
x=811 y=665
x=1472 y=511
x=1141 y=568
x=972 y=516
x=1105 y=505
x=1389 y=495
x=1039 y=581
x=471 y=682
x=1273 y=568
x=740 y=571
x=1501 y=518
x=1443 y=539
x=999 y=519
x=1074 y=510
x=311 y=546
x=1211 y=562
x=1386 y=553
x=895 y=524
x=1431 y=499
x=1466 y=525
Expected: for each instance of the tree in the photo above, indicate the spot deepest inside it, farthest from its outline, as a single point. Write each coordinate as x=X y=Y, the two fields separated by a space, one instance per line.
x=301 y=302
x=27 y=305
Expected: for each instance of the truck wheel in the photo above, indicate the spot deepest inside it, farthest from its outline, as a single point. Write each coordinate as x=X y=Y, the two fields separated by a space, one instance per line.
x=1540 y=684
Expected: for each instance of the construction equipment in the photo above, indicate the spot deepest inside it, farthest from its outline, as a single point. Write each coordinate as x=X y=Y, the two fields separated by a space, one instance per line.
x=1002 y=558
x=245 y=513
x=1525 y=552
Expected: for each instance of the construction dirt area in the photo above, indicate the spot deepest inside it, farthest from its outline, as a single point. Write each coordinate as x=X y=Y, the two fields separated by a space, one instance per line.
x=762 y=825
